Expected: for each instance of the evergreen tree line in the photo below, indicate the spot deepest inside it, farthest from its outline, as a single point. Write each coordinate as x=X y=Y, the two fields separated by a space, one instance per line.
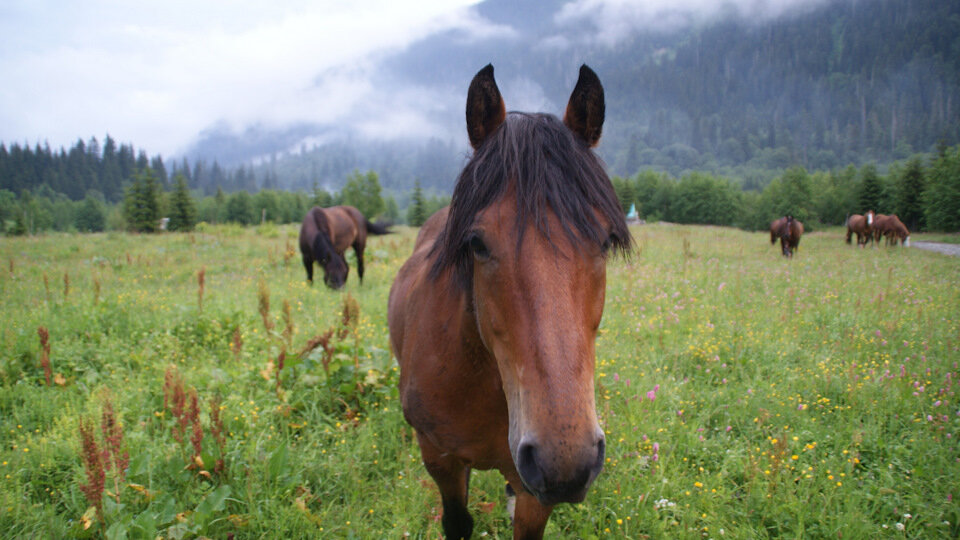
x=923 y=191
x=105 y=170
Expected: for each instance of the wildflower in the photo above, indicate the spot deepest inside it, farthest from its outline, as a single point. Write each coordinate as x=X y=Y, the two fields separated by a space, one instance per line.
x=899 y=526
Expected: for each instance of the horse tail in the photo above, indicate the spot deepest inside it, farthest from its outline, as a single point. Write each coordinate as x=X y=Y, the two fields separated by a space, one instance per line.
x=378 y=228
x=846 y=221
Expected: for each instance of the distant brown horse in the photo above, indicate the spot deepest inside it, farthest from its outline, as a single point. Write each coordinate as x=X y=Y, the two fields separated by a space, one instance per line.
x=892 y=229
x=789 y=231
x=862 y=226
x=326 y=233
x=493 y=318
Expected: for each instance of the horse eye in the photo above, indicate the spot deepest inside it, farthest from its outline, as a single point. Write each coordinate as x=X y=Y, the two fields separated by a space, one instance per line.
x=478 y=248
x=605 y=246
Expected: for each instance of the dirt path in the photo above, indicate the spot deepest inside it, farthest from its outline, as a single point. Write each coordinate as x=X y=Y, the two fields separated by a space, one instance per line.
x=949 y=249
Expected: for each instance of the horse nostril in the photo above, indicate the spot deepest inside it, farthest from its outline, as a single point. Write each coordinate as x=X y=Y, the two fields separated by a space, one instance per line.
x=528 y=467
x=601 y=451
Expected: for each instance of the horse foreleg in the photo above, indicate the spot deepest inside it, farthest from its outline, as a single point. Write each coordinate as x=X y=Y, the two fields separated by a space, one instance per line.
x=453 y=480
x=308 y=264
x=529 y=517
x=358 y=249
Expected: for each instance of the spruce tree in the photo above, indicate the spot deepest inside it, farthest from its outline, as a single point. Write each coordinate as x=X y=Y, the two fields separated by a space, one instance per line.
x=141 y=205
x=417 y=213
x=870 y=193
x=183 y=213
x=910 y=187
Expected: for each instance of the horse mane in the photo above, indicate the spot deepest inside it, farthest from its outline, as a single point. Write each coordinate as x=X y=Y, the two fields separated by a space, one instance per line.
x=549 y=167
x=321 y=244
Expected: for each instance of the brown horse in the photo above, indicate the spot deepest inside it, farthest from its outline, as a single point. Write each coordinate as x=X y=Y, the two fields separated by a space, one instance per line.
x=493 y=318
x=326 y=233
x=892 y=229
x=862 y=226
x=789 y=231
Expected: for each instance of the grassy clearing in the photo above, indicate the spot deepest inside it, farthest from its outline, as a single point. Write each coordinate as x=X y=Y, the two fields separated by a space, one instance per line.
x=743 y=395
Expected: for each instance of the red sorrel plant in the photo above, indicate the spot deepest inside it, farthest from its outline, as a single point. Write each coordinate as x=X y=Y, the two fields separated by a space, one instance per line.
x=322 y=340
x=219 y=434
x=196 y=436
x=279 y=366
x=201 y=278
x=288 y=253
x=45 y=352
x=93 y=465
x=174 y=400
x=66 y=285
x=287 y=324
x=114 y=456
x=263 y=304
x=46 y=285
x=96 y=290
x=236 y=345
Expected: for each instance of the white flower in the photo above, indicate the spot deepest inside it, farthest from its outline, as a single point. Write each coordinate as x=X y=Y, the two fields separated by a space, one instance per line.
x=900 y=526
x=907 y=516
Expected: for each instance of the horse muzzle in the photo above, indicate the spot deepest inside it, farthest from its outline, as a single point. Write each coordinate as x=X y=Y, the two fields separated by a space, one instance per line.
x=553 y=478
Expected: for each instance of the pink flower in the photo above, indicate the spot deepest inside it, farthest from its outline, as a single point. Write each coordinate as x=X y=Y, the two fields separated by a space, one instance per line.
x=722 y=285
x=652 y=395
x=728 y=429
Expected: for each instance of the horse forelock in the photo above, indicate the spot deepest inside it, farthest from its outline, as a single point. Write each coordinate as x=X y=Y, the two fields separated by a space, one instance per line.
x=547 y=168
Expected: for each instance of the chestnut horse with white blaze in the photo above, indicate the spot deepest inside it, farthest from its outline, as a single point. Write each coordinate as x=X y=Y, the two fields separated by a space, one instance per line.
x=493 y=318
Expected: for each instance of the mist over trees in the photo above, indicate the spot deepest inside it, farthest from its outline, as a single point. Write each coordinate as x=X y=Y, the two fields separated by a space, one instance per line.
x=833 y=110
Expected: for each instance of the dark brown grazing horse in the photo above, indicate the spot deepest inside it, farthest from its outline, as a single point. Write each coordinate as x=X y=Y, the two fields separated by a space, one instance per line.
x=326 y=233
x=789 y=231
x=862 y=226
x=493 y=318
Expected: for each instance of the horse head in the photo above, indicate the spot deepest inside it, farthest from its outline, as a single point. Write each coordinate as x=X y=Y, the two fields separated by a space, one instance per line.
x=335 y=268
x=532 y=221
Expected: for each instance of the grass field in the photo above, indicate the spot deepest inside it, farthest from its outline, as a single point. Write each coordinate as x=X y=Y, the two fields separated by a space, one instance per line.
x=743 y=395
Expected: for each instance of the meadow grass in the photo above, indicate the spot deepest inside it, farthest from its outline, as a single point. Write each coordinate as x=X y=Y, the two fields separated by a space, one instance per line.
x=743 y=395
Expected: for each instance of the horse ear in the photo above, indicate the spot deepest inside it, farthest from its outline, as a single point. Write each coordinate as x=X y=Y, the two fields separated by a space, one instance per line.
x=485 y=109
x=586 y=109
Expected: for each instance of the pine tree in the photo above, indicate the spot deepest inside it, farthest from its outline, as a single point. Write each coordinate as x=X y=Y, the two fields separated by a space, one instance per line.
x=870 y=189
x=910 y=187
x=942 y=196
x=417 y=213
x=141 y=205
x=183 y=212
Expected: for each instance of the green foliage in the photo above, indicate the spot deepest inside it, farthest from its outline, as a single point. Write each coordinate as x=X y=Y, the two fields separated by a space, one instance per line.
x=942 y=195
x=90 y=216
x=141 y=205
x=183 y=212
x=239 y=209
x=703 y=199
x=363 y=192
x=910 y=187
x=320 y=197
x=870 y=193
x=417 y=211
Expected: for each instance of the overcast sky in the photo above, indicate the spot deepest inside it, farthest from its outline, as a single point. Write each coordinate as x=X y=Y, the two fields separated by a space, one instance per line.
x=157 y=73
